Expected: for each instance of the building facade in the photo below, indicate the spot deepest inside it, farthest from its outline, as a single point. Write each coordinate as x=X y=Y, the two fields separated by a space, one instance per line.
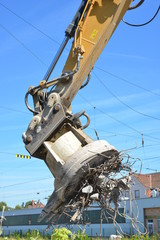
x=145 y=190
x=145 y=185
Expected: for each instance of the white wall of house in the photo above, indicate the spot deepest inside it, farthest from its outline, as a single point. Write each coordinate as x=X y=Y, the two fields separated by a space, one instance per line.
x=137 y=189
x=135 y=209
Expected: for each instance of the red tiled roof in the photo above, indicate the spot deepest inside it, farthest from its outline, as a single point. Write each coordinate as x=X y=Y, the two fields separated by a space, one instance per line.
x=36 y=204
x=149 y=181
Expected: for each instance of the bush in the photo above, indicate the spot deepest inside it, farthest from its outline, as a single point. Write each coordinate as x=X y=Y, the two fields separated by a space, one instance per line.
x=81 y=236
x=65 y=234
x=61 y=234
x=142 y=237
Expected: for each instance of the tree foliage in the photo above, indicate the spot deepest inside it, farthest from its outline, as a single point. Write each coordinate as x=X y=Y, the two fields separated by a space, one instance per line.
x=27 y=204
x=3 y=204
x=17 y=207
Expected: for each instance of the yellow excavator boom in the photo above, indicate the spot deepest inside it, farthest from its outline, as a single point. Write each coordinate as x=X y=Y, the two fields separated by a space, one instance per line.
x=99 y=20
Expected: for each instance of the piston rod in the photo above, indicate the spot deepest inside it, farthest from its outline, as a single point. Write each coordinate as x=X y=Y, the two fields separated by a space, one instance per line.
x=56 y=58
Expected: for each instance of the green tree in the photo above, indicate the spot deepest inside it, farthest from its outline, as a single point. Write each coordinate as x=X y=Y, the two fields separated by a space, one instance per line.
x=17 y=207
x=27 y=204
x=22 y=205
x=3 y=204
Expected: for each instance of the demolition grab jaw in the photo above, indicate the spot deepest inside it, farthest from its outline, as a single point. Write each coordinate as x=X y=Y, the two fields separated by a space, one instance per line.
x=57 y=137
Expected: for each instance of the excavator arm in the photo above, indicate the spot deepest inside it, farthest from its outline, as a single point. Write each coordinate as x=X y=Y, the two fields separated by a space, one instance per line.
x=55 y=134
x=95 y=27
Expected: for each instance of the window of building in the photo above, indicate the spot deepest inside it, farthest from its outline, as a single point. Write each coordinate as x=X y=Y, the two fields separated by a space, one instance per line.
x=150 y=220
x=127 y=194
x=150 y=227
x=137 y=194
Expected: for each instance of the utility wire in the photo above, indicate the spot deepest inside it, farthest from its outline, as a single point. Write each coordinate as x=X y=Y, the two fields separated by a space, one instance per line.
x=27 y=22
x=149 y=145
x=128 y=134
x=125 y=80
x=23 y=45
x=114 y=134
x=151 y=158
x=117 y=120
x=110 y=116
x=13 y=110
x=134 y=110
x=9 y=153
x=22 y=183
x=35 y=192
x=154 y=138
x=24 y=165
x=150 y=169
x=30 y=161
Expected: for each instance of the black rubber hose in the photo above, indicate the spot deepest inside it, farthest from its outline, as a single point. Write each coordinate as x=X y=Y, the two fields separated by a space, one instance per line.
x=143 y=24
x=136 y=5
x=88 y=79
x=27 y=105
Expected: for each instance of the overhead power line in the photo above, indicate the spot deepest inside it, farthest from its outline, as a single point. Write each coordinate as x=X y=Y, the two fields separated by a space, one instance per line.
x=23 y=45
x=125 y=104
x=1 y=152
x=22 y=183
x=110 y=116
x=151 y=158
x=117 y=120
x=126 y=81
x=14 y=110
x=27 y=22
x=28 y=193
x=151 y=169
x=21 y=166
x=17 y=155
x=127 y=134
x=114 y=134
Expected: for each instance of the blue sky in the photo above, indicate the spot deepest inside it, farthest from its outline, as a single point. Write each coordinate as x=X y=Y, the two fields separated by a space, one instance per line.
x=122 y=98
